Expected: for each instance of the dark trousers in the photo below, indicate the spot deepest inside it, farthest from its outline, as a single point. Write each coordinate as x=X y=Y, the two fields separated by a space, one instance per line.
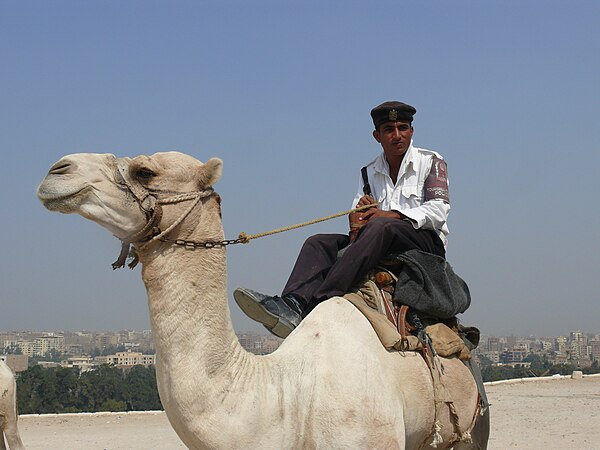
x=319 y=274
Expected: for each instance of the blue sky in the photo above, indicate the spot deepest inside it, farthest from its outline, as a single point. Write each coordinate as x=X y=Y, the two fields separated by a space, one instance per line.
x=507 y=91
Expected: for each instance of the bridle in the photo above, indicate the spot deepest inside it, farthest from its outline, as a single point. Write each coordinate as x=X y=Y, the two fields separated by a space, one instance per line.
x=150 y=204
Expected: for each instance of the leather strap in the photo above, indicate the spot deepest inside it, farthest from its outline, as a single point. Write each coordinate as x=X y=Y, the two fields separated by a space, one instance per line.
x=366 y=185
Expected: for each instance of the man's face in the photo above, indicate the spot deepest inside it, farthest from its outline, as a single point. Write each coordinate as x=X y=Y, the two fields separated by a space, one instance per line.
x=394 y=137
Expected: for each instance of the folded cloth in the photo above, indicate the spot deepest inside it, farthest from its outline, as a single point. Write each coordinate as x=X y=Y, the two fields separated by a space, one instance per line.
x=444 y=341
x=428 y=284
x=366 y=302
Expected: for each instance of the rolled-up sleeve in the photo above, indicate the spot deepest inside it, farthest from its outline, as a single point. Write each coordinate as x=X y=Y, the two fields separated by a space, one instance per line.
x=433 y=212
x=431 y=215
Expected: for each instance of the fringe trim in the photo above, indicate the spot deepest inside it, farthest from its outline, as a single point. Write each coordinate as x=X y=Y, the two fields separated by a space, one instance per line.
x=466 y=437
x=437 y=437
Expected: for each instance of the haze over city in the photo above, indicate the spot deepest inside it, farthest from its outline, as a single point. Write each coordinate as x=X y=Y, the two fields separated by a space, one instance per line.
x=507 y=92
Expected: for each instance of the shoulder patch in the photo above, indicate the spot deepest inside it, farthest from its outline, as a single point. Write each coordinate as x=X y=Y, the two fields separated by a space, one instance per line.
x=436 y=184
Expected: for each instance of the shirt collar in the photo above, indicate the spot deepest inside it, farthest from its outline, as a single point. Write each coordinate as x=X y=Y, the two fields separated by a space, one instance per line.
x=381 y=165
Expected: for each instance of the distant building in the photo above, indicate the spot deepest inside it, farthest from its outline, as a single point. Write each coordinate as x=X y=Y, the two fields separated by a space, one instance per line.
x=512 y=356
x=16 y=363
x=107 y=340
x=511 y=342
x=561 y=345
x=26 y=347
x=595 y=350
x=493 y=344
x=547 y=346
x=44 y=344
x=494 y=356
x=516 y=364
x=127 y=359
x=259 y=344
x=41 y=345
x=83 y=363
x=8 y=342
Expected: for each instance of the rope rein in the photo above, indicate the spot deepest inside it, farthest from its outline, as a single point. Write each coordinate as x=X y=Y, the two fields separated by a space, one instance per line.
x=247 y=238
x=151 y=232
x=243 y=238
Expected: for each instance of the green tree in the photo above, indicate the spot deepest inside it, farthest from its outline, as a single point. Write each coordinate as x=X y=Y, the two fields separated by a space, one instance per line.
x=38 y=390
x=142 y=392
x=594 y=368
x=53 y=355
x=67 y=389
x=495 y=373
x=57 y=389
x=113 y=405
x=484 y=361
x=562 y=369
x=97 y=386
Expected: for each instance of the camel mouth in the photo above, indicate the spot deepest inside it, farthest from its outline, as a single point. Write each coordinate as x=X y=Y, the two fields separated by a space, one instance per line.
x=53 y=199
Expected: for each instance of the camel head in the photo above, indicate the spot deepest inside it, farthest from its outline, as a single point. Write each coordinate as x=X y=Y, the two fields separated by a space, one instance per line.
x=123 y=194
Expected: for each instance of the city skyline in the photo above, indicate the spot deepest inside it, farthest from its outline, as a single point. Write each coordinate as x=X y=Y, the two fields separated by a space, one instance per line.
x=148 y=332
x=127 y=348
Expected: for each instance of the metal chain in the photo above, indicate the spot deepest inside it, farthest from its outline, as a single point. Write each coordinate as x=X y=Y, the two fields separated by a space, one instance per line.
x=243 y=238
x=206 y=244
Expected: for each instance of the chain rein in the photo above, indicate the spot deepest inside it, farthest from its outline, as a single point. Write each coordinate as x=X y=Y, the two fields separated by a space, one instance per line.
x=243 y=238
x=151 y=232
x=206 y=244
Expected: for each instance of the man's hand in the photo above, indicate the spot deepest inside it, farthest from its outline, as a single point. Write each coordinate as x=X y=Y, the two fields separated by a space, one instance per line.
x=365 y=200
x=360 y=219
x=374 y=212
x=355 y=218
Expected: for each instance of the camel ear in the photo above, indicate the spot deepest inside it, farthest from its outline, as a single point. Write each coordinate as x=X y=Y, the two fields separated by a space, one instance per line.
x=210 y=172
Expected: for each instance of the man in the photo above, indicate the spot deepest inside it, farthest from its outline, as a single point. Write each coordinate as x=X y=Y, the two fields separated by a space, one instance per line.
x=409 y=186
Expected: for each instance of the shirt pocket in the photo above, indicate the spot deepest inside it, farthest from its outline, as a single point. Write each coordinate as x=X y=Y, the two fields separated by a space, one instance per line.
x=411 y=192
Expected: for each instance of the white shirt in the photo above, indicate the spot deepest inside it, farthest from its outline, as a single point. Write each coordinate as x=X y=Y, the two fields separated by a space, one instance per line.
x=408 y=194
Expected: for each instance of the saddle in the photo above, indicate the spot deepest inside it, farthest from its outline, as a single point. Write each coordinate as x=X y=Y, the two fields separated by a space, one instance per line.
x=420 y=295
x=406 y=328
x=443 y=335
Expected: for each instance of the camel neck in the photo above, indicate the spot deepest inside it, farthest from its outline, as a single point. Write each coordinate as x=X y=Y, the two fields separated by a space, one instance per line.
x=187 y=298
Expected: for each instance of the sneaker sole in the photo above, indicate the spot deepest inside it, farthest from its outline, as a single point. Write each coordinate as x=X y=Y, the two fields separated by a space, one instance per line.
x=276 y=325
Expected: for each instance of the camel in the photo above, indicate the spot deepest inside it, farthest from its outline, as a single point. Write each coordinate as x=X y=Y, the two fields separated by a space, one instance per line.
x=330 y=385
x=8 y=410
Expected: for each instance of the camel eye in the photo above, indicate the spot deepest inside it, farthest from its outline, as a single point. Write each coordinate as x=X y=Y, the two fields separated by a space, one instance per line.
x=144 y=174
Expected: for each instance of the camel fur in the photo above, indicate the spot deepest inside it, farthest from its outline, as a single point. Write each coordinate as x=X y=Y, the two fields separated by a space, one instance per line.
x=330 y=385
x=8 y=410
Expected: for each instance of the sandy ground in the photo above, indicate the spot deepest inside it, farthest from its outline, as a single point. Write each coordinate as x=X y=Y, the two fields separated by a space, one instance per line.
x=538 y=415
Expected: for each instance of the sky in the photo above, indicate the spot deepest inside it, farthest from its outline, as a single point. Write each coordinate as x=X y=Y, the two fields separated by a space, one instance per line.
x=507 y=91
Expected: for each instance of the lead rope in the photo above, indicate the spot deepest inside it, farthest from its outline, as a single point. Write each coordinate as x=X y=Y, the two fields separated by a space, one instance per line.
x=243 y=238
x=247 y=238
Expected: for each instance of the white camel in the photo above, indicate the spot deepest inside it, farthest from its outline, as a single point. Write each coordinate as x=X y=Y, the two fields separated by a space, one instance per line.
x=8 y=410
x=330 y=385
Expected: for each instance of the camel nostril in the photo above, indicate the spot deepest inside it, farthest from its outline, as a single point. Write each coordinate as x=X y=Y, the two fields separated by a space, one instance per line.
x=59 y=168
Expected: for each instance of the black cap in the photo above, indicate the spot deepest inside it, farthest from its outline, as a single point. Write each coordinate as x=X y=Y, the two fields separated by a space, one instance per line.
x=392 y=112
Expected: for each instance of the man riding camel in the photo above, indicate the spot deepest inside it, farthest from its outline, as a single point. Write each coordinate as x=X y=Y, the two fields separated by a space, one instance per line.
x=409 y=186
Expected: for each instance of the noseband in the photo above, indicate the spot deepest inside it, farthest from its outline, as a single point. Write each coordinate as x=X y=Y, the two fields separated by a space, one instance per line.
x=150 y=205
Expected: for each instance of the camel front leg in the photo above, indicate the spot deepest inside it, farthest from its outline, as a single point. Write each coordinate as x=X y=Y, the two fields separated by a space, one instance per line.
x=13 y=438
x=2 y=444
